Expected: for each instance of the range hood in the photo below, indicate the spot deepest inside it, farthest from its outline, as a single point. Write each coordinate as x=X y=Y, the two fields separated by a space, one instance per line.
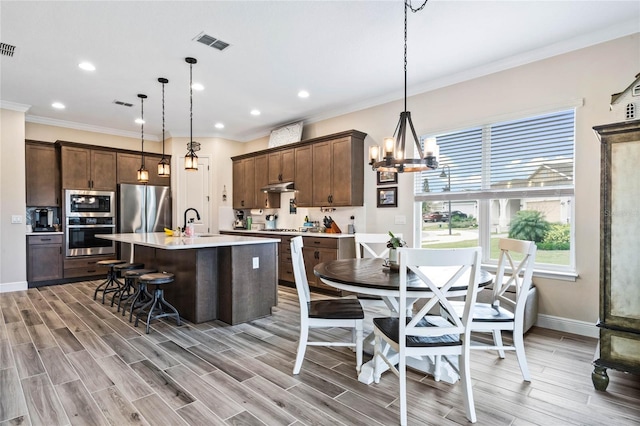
x=279 y=187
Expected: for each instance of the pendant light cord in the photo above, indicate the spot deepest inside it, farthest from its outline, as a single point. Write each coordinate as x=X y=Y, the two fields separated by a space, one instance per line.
x=163 y=121
x=142 y=127
x=191 y=108
x=407 y=5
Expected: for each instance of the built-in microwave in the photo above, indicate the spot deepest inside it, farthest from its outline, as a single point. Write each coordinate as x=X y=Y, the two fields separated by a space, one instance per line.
x=81 y=203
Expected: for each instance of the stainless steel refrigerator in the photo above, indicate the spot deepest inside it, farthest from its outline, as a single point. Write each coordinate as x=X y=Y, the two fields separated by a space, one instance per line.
x=142 y=208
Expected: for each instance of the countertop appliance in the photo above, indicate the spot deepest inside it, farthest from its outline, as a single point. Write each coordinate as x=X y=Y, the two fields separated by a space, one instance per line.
x=43 y=220
x=240 y=222
x=271 y=221
x=142 y=208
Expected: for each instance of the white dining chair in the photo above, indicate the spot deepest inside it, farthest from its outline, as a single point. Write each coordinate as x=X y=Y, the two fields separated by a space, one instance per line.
x=372 y=245
x=514 y=273
x=326 y=313
x=424 y=334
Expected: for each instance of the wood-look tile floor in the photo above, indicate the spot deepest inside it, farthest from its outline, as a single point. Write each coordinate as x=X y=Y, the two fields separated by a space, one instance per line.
x=65 y=359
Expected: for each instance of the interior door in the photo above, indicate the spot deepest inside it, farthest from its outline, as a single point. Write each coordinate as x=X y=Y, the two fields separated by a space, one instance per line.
x=194 y=193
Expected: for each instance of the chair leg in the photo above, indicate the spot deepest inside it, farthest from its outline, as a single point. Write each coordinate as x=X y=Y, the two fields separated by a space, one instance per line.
x=402 y=375
x=437 y=365
x=359 y=339
x=467 y=391
x=497 y=341
x=302 y=347
x=518 y=342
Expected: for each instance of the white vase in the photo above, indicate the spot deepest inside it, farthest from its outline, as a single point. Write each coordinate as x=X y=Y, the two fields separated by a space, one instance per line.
x=393 y=256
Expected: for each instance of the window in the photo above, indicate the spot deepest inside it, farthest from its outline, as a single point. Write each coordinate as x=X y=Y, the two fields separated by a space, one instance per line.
x=510 y=178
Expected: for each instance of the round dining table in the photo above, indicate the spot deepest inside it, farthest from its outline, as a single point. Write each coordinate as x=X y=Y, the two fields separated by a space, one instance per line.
x=373 y=277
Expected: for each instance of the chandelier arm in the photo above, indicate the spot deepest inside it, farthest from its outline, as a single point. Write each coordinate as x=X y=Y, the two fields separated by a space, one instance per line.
x=408 y=3
x=415 y=137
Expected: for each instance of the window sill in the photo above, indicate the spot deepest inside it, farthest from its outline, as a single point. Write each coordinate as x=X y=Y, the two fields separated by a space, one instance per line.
x=543 y=273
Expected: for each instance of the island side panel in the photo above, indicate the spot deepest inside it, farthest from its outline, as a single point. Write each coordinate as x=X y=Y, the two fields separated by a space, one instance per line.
x=194 y=292
x=245 y=292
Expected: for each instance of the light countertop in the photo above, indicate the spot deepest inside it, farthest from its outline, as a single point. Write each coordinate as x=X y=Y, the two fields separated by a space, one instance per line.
x=46 y=233
x=291 y=233
x=162 y=241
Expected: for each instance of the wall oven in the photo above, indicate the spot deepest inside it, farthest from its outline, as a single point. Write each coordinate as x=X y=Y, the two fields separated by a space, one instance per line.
x=89 y=214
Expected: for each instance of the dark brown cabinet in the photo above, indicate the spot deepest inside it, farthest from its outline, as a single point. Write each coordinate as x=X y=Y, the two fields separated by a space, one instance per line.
x=244 y=194
x=42 y=175
x=85 y=266
x=338 y=172
x=84 y=168
x=129 y=163
x=303 y=177
x=281 y=166
x=261 y=179
x=44 y=257
x=619 y=322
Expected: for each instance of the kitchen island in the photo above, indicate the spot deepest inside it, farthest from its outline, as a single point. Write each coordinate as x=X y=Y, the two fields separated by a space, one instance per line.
x=230 y=278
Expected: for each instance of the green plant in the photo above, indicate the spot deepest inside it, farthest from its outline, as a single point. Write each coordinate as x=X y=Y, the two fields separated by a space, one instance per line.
x=558 y=237
x=395 y=242
x=529 y=225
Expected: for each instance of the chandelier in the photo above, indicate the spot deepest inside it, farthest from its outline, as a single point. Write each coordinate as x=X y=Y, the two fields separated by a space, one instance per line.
x=391 y=158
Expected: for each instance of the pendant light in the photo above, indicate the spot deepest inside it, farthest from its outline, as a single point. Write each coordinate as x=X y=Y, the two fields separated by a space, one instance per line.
x=191 y=159
x=143 y=173
x=393 y=151
x=164 y=166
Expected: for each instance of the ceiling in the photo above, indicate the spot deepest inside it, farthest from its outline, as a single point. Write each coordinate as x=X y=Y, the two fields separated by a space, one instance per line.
x=347 y=54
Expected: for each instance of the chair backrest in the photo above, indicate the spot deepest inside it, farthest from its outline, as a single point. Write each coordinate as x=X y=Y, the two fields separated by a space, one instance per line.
x=372 y=245
x=515 y=270
x=299 y=274
x=441 y=270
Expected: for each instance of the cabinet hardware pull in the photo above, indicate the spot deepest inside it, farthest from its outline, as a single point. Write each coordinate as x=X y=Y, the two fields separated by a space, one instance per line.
x=45 y=239
x=91 y=270
x=89 y=183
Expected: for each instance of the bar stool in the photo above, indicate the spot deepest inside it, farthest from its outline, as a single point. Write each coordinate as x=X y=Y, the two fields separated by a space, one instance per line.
x=111 y=284
x=141 y=295
x=155 y=308
x=126 y=288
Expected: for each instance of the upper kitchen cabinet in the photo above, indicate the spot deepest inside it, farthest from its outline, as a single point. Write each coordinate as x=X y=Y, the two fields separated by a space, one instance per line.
x=326 y=171
x=303 y=176
x=264 y=200
x=42 y=174
x=129 y=163
x=244 y=193
x=338 y=171
x=87 y=168
x=281 y=166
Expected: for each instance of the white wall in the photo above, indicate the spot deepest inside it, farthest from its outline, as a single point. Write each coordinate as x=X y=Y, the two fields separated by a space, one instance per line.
x=13 y=260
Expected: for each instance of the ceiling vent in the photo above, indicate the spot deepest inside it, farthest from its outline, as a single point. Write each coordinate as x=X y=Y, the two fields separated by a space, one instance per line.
x=7 y=49
x=127 y=104
x=211 y=41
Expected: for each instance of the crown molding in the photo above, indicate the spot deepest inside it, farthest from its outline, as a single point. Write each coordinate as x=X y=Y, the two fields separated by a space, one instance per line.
x=87 y=127
x=14 y=106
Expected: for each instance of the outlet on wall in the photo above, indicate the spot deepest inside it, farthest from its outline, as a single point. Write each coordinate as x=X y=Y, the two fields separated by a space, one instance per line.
x=256 y=262
x=16 y=218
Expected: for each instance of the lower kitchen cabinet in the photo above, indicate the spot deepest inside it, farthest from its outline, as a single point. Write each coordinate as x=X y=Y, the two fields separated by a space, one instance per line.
x=44 y=257
x=85 y=266
x=322 y=249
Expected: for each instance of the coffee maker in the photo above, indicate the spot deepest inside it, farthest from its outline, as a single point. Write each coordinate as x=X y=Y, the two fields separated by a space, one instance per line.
x=240 y=222
x=42 y=220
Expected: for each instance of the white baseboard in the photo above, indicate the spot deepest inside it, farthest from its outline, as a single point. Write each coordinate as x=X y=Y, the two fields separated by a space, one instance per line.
x=581 y=328
x=17 y=286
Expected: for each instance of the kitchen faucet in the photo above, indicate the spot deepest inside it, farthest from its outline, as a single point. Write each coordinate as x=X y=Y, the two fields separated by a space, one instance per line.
x=185 y=217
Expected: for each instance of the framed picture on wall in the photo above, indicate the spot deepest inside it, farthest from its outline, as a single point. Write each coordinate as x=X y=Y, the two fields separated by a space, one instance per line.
x=387 y=197
x=385 y=178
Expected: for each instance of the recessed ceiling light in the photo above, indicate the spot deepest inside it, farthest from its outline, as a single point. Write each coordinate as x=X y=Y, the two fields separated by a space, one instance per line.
x=139 y=121
x=58 y=105
x=255 y=112
x=303 y=94
x=197 y=86
x=87 y=66
x=219 y=126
